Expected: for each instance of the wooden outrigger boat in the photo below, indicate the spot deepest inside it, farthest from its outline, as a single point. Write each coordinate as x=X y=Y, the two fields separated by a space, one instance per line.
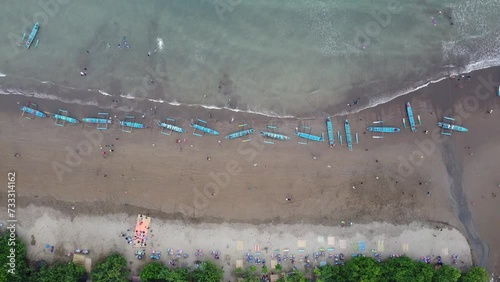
x=239 y=134
x=348 y=136
x=169 y=126
x=411 y=119
x=275 y=136
x=129 y=123
x=200 y=125
x=97 y=120
x=33 y=112
x=383 y=129
x=329 y=127
x=132 y=124
x=34 y=31
x=448 y=127
x=102 y=121
x=309 y=136
x=62 y=117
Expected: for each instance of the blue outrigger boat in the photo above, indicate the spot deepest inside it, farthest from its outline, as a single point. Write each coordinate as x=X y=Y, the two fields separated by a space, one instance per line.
x=239 y=134
x=448 y=127
x=97 y=120
x=203 y=128
x=452 y=127
x=275 y=136
x=64 y=118
x=132 y=124
x=348 y=136
x=171 y=127
x=383 y=129
x=411 y=119
x=329 y=127
x=311 y=137
x=32 y=36
x=33 y=112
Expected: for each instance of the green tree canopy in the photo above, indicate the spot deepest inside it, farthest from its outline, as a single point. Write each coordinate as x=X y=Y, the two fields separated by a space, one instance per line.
x=157 y=272
x=17 y=259
x=329 y=273
x=446 y=273
x=114 y=268
x=475 y=274
x=208 y=271
x=361 y=269
x=404 y=269
x=64 y=272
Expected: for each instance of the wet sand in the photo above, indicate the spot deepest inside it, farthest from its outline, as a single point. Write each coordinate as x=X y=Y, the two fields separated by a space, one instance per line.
x=382 y=180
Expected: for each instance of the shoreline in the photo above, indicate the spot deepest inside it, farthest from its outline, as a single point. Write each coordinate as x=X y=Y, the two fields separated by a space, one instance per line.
x=128 y=102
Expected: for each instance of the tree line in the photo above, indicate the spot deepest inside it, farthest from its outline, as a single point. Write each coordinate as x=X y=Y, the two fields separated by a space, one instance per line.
x=115 y=268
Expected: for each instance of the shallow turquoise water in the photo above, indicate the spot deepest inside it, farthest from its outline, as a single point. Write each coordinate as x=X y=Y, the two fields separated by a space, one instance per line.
x=297 y=57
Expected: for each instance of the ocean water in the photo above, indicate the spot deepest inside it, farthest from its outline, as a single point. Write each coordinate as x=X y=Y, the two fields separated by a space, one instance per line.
x=284 y=58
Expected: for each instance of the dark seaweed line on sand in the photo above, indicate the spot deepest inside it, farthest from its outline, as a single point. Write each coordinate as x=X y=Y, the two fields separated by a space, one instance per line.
x=455 y=171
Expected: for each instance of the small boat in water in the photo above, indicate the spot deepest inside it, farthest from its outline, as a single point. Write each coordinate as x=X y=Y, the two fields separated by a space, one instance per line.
x=448 y=126
x=32 y=111
x=32 y=36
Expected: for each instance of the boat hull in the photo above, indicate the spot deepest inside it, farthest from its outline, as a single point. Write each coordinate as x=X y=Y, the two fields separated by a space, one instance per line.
x=329 y=127
x=204 y=129
x=96 y=120
x=411 y=119
x=274 y=135
x=239 y=134
x=33 y=112
x=172 y=127
x=32 y=36
x=383 y=129
x=133 y=124
x=66 y=118
x=310 y=136
x=452 y=127
x=348 y=136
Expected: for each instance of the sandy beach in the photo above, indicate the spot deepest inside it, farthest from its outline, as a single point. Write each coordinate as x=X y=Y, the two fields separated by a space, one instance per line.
x=408 y=180
x=101 y=234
